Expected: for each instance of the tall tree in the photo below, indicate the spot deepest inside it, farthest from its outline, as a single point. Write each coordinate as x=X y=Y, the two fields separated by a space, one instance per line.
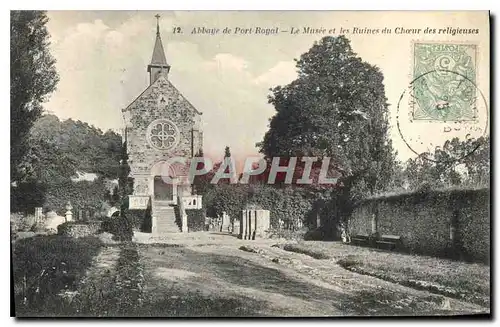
x=335 y=108
x=32 y=78
x=201 y=183
x=125 y=188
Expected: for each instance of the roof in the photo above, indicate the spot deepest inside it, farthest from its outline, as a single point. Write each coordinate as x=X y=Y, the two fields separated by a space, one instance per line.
x=158 y=57
x=172 y=86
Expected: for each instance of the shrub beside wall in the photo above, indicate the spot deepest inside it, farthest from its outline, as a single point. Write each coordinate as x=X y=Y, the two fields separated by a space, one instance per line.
x=425 y=221
x=120 y=227
x=140 y=219
x=195 y=220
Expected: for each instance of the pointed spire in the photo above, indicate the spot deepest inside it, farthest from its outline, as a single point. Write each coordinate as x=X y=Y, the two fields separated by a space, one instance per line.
x=158 y=57
x=158 y=63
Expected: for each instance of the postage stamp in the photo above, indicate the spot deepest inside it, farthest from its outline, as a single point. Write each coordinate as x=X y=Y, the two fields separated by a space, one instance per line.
x=444 y=82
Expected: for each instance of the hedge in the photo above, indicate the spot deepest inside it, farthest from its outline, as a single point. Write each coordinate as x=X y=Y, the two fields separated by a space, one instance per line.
x=288 y=204
x=83 y=195
x=79 y=229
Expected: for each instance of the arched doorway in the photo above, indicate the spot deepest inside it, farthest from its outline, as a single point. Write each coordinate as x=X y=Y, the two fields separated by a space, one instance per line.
x=164 y=182
x=162 y=189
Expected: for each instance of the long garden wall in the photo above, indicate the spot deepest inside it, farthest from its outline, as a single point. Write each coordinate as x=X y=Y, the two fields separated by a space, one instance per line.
x=451 y=223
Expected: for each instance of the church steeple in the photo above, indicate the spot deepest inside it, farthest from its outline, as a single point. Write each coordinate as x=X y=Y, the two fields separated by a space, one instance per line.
x=158 y=63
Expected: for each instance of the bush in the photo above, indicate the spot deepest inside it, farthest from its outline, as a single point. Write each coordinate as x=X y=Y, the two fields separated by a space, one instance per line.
x=121 y=228
x=315 y=235
x=22 y=222
x=140 y=219
x=25 y=196
x=195 y=220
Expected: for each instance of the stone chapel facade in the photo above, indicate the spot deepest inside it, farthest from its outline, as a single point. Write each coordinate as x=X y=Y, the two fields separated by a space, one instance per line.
x=161 y=124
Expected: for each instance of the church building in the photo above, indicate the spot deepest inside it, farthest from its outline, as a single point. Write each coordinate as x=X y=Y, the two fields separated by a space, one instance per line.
x=161 y=124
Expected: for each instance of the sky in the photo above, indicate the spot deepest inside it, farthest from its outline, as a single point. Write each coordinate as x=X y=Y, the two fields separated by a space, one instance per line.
x=102 y=57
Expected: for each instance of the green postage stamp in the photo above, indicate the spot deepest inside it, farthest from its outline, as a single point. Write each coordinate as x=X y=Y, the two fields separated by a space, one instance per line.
x=444 y=82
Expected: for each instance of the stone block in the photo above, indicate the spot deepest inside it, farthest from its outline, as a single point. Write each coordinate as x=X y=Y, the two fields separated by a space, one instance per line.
x=254 y=223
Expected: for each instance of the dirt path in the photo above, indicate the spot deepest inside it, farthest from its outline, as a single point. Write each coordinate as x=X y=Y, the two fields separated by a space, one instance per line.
x=221 y=280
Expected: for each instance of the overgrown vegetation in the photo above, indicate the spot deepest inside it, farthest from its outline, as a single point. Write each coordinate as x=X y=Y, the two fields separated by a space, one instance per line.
x=46 y=266
x=129 y=281
x=57 y=151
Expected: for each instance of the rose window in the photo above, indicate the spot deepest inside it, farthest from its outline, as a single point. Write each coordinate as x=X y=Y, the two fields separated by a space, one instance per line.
x=163 y=134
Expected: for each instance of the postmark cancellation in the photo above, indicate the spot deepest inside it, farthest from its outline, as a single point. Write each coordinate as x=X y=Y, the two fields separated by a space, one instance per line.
x=444 y=82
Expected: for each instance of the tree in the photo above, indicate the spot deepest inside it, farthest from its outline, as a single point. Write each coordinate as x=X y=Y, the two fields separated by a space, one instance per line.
x=124 y=231
x=420 y=172
x=335 y=108
x=125 y=182
x=227 y=152
x=455 y=163
x=58 y=149
x=32 y=78
x=478 y=162
x=201 y=183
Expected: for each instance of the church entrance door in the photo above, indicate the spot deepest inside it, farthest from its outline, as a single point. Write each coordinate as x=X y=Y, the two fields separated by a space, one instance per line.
x=163 y=191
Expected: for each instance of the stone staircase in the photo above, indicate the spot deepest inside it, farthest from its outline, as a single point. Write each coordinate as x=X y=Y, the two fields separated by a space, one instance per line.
x=165 y=218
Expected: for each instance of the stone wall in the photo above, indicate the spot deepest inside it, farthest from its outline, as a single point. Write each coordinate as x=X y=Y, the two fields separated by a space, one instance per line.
x=148 y=108
x=444 y=223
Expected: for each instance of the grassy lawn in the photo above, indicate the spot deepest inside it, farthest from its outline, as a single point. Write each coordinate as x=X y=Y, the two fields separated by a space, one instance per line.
x=466 y=281
x=46 y=266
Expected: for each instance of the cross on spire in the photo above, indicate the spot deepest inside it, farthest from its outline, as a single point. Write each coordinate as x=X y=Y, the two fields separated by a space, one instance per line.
x=157 y=24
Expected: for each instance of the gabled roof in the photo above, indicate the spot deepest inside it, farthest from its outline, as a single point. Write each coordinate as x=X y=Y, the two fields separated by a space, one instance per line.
x=171 y=85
